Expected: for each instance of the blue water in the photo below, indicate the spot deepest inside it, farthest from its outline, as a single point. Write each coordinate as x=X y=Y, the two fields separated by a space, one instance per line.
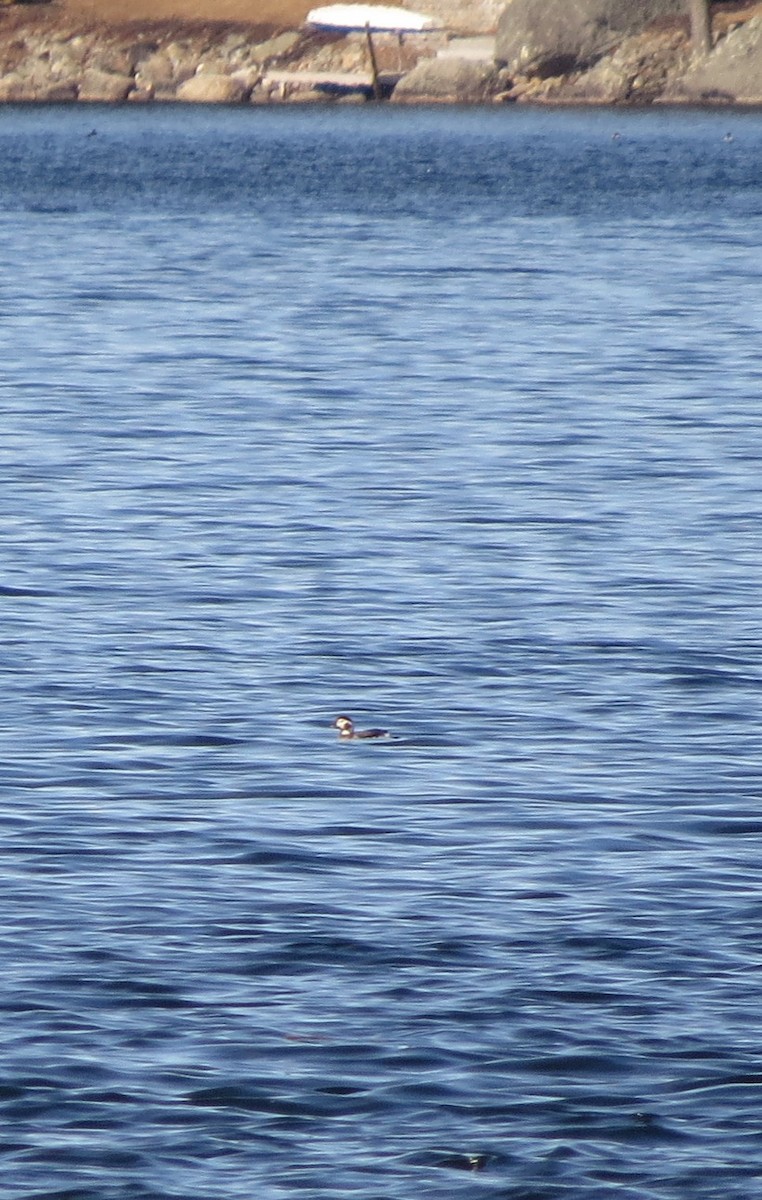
x=450 y=421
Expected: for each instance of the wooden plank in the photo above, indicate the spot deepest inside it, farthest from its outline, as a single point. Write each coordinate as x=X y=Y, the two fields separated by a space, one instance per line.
x=349 y=79
x=315 y=78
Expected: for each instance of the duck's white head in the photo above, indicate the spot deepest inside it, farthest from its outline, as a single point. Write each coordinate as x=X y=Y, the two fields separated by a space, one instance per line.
x=345 y=726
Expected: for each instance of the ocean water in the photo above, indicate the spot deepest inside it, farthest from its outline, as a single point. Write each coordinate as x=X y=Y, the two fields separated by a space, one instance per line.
x=449 y=420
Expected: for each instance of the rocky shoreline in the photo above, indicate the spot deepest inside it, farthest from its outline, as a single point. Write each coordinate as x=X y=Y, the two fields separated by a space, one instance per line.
x=45 y=58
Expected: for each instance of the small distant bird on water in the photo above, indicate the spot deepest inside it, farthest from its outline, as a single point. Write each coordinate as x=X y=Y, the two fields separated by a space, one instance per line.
x=346 y=728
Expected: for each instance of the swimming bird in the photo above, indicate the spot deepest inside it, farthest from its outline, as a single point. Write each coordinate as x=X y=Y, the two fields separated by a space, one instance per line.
x=346 y=728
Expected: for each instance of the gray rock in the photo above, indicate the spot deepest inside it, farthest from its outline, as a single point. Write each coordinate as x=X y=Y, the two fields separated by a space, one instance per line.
x=248 y=77
x=157 y=70
x=141 y=95
x=73 y=50
x=213 y=64
x=207 y=88
x=231 y=46
x=308 y=96
x=103 y=87
x=184 y=56
x=114 y=60
x=13 y=87
x=141 y=50
x=30 y=79
x=273 y=47
x=164 y=69
x=732 y=72
x=471 y=17
x=552 y=37
x=455 y=79
x=57 y=93
x=18 y=87
x=607 y=82
x=639 y=71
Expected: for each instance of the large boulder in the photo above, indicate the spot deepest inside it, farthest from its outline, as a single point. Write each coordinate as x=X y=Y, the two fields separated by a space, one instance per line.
x=212 y=88
x=458 y=80
x=274 y=47
x=16 y=87
x=552 y=37
x=637 y=72
x=113 y=59
x=162 y=70
x=731 y=73
x=462 y=16
x=156 y=70
x=38 y=75
x=103 y=87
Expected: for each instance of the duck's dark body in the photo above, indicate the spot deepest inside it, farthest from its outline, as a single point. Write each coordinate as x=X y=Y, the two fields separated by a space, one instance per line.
x=346 y=728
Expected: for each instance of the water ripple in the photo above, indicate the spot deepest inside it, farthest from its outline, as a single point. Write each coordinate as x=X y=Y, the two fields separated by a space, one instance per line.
x=363 y=412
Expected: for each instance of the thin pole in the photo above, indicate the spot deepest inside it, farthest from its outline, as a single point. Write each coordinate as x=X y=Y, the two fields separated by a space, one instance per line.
x=373 y=63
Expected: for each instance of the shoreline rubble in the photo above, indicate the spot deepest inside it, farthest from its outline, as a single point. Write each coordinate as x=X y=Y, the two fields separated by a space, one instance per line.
x=47 y=58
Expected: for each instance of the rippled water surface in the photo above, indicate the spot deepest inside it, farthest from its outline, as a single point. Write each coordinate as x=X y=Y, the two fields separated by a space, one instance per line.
x=450 y=421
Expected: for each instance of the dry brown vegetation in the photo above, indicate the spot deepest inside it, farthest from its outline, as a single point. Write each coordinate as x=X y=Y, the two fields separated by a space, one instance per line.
x=286 y=13
x=283 y=14
x=208 y=18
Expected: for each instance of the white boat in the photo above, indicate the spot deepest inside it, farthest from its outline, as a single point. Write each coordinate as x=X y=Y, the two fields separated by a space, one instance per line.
x=369 y=16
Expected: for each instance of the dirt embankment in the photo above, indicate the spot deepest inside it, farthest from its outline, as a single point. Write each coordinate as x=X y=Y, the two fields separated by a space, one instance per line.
x=283 y=13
